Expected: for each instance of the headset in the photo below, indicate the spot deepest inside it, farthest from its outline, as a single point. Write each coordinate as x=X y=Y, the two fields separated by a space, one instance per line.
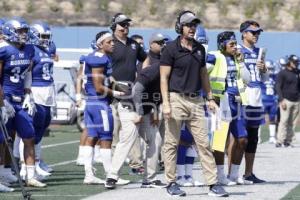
x=113 y=21
x=222 y=37
x=178 y=25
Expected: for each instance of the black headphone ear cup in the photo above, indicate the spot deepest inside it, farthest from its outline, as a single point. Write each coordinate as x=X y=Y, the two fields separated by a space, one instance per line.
x=113 y=24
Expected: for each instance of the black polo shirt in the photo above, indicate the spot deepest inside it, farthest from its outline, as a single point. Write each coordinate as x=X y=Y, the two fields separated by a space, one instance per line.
x=185 y=66
x=149 y=77
x=124 y=59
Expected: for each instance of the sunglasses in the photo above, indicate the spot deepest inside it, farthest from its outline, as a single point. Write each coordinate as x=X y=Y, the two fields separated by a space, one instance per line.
x=254 y=32
x=160 y=43
x=124 y=24
x=191 y=24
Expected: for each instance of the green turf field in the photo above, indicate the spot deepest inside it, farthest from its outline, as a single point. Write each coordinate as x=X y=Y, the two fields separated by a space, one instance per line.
x=66 y=181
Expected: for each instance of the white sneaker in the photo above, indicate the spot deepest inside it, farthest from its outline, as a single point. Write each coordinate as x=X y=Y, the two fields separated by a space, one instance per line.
x=80 y=161
x=189 y=182
x=89 y=180
x=7 y=176
x=226 y=182
x=198 y=183
x=122 y=182
x=4 y=188
x=45 y=167
x=181 y=181
x=241 y=181
x=33 y=182
x=40 y=171
x=272 y=140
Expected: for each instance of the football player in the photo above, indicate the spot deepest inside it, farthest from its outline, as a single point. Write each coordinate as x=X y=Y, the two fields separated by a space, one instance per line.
x=15 y=66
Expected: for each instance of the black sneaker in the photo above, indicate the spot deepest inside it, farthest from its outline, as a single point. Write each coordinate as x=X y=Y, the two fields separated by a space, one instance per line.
x=153 y=184
x=254 y=179
x=110 y=183
x=217 y=191
x=278 y=145
x=174 y=190
x=288 y=145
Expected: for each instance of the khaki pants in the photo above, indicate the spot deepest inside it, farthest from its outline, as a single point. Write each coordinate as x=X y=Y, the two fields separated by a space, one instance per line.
x=135 y=155
x=288 y=122
x=150 y=134
x=117 y=125
x=190 y=110
x=127 y=135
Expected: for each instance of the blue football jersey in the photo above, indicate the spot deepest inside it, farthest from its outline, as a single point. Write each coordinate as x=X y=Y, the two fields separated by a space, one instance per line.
x=42 y=71
x=96 y=60
x=251 y=56
x=16 y=63
x=231 y=77
x=268 y=89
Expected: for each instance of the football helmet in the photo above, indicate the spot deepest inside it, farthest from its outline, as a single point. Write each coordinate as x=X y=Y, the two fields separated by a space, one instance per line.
x=200 y=35
x=40 y=34
x=16 y=30
x=94 y=45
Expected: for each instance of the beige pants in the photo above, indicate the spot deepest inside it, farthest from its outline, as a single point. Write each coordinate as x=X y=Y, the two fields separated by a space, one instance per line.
x=191 y=111
x=117 y=125
x=288 y=122
x=127 y=135
x=135 y=155
x=150 y=134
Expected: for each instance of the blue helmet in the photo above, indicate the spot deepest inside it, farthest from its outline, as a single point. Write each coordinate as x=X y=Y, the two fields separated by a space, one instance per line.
x=283 y=61
x=16 y=30
x=94 y=45
x=200 y=35
x=40 y=34
x=269 y=64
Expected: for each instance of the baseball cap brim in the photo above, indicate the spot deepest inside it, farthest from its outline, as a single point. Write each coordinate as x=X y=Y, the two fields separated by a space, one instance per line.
x=156 y=37
x=122 y=18
x=188 y=18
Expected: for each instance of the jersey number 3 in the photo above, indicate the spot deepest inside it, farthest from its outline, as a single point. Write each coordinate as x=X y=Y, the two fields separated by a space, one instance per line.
x=15 y=78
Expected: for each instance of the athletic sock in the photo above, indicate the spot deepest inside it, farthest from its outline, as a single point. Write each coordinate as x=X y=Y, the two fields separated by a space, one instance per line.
x=234 y=173
x=16 y=150
x=106 y=159
x=220 y=169
x=87 y=152
x=272 y=129
x=30 y=169
x=97 y=152
x=189 y=161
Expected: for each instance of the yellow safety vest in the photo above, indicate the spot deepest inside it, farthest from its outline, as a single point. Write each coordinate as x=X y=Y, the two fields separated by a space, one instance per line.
x=217 y=77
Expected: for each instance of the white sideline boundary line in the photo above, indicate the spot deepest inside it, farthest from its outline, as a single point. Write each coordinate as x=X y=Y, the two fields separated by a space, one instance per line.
x=62 y=163
x=59 y=144
x=41 y=195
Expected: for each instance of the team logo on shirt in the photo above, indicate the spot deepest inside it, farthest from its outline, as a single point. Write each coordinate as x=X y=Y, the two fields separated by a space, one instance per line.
x=253 y=55
x=21 y=55
x=231 y=62
x=199 y=52
x=133 y=46
x=12 y=57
